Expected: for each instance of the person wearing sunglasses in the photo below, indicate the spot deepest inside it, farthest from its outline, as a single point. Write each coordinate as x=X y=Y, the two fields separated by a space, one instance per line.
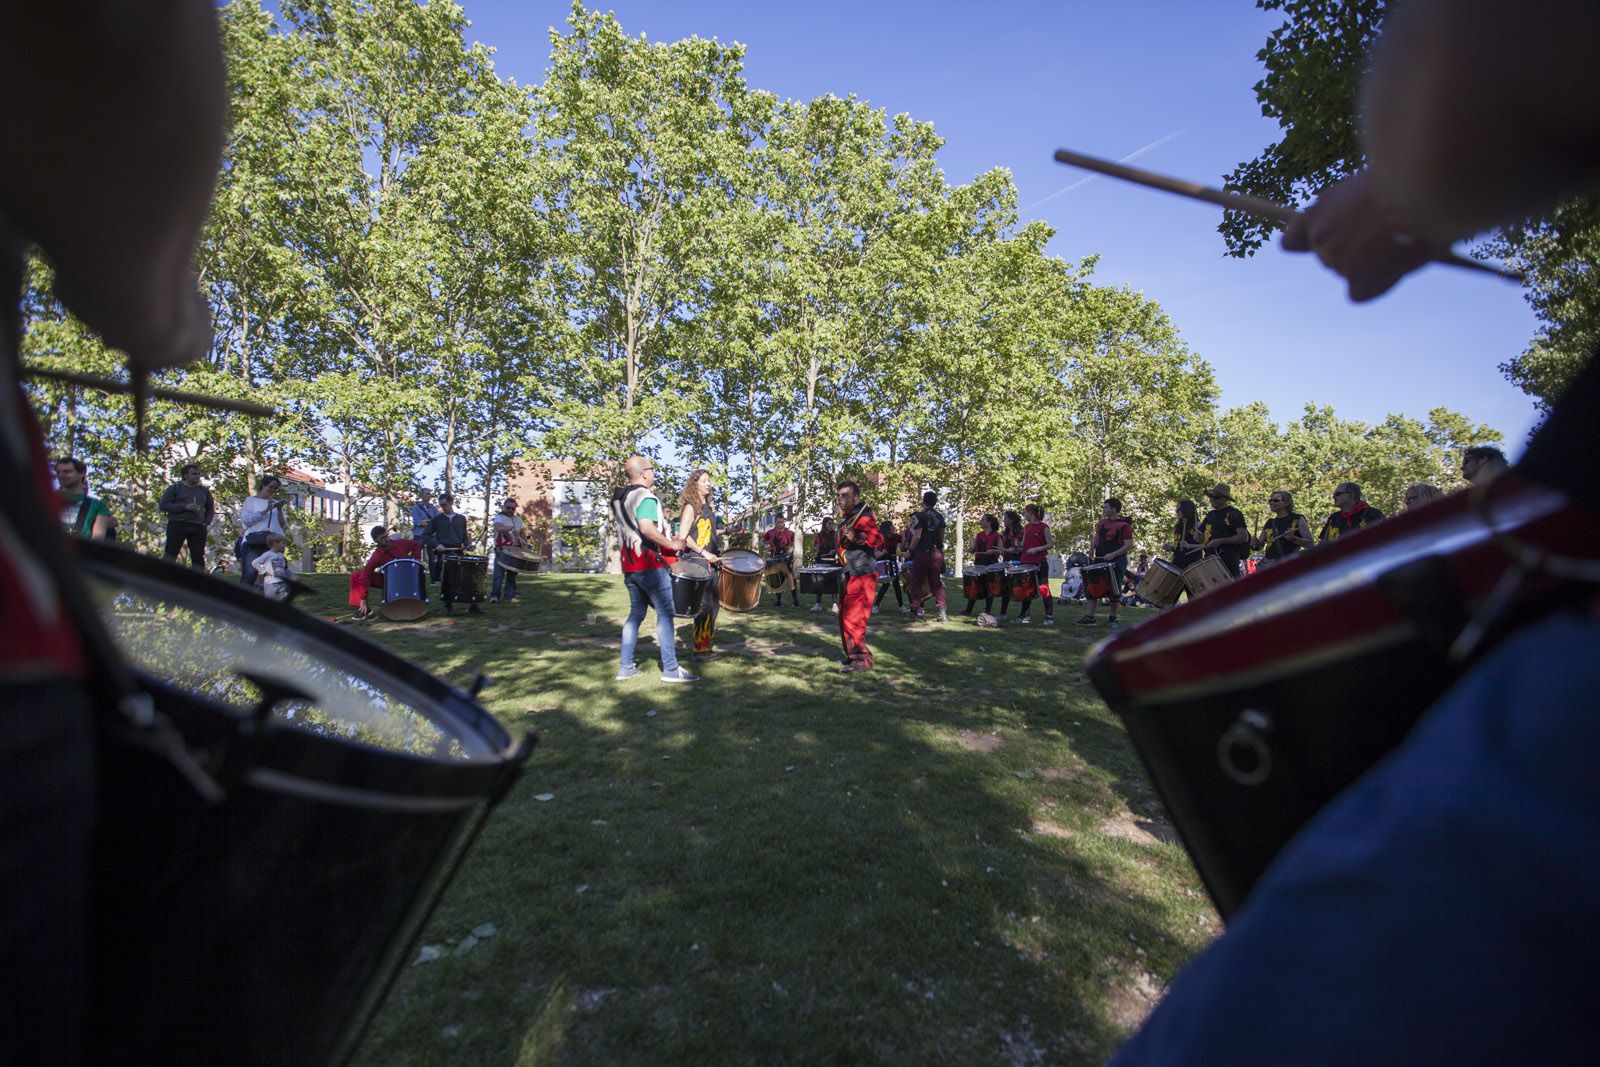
x=1286 y=533
x=1353 y=513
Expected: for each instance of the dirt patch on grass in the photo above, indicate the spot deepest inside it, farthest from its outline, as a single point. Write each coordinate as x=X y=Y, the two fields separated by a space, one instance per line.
x=978 y=742
x=1130 y=827
x=1131 y=1002
x=1050 y=828
x=766 y=649
x=1059 y=774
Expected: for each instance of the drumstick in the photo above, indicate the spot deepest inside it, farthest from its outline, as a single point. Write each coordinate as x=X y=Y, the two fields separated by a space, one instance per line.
x=137 y=388
x=1250 y=205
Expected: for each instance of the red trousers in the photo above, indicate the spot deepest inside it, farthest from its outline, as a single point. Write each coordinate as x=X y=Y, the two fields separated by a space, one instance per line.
x=359 y=584
x=855 y=608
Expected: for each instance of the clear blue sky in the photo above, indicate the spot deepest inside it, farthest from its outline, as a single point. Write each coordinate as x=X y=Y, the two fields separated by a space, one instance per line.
x=1007 y=83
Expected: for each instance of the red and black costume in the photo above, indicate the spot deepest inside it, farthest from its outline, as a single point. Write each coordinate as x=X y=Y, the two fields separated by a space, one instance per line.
x=859 y=543
x=780 y=545
x=890 y=552
x=369 y=577
x=986 y=549
x=1036 y=553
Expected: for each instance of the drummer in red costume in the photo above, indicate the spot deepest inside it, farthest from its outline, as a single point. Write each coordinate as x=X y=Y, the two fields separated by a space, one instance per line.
x=859 y=542
x=388 y=550
x=1036 y=546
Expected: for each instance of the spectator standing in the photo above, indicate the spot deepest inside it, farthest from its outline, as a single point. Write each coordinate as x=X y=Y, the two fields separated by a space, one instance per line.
x=81 y=514
x=190 y=509
x=261 y=515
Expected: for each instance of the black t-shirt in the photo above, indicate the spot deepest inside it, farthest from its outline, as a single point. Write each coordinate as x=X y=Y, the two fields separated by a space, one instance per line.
x=1220 y=523
x=1338 y=523
x=930 y=527
x=1276 y=547
x=1182 y=531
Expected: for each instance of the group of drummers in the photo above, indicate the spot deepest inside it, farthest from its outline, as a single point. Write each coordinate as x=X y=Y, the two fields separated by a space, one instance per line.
x=400 y=569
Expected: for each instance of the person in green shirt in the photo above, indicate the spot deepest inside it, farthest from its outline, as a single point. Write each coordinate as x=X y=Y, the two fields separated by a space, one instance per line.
x=81 y=514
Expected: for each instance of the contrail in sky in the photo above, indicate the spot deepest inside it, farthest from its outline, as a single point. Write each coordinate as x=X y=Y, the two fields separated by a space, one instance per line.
x=1129 y=158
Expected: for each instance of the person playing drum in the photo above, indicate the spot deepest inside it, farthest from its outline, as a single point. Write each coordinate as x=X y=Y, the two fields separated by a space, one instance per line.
x=1010 y=552
x=702 y=537
x=1113 y=540
x=1037 y=545
x=386 y=550
x=780 y=546
x=1223 y=533
x=889 y=553
x=449 y=532
x=826 y=551
x=509 y=529
x=985 y=550
x=859 y=543
x=1353 y=513
x=1284 y=535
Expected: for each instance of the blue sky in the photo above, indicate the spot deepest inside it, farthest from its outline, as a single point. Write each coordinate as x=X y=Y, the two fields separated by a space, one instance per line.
x=1007 y=83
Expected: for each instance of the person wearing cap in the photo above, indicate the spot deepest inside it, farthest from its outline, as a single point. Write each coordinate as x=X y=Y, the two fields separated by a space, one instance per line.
x=1222 y=533
x=1353 y=513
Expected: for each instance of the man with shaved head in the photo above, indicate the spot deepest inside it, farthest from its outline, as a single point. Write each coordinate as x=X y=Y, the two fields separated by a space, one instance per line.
x=636 y=513
x=1353 y=513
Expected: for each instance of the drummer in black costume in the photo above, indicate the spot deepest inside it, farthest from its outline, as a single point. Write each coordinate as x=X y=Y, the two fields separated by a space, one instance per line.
x=448 y=532
x=1284 y=535
x=702 y=538
x=1222 y=532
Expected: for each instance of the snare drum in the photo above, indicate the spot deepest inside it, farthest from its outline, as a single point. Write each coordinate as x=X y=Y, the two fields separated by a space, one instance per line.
x=994 y=579
x=1205 y=575
x=264 y=923
x=974 y=583
x=1022 y=580
x=690 y=578
x=1240 y=704
x=1099 y=581
x=739 y=584
x=517 y=559
x=405 y=590
x=886 y=571
x=820 y=579
x=1162 y=584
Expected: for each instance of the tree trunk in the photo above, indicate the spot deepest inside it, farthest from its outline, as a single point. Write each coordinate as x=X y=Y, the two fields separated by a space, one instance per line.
x=961 y=540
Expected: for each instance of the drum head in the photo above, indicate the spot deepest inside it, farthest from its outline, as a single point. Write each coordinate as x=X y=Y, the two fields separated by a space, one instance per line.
x=741 y=561
x=195 y=636
x=696 y=570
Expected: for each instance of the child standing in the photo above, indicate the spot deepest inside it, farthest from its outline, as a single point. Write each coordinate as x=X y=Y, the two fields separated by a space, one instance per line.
x=272 y=569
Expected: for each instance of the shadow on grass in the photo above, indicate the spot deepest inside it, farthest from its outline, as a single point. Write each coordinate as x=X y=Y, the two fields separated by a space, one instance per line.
x=787 y=864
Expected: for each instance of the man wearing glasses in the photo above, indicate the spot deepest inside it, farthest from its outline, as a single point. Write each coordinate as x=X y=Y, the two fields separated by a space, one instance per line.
x=1353 y=513
x=637 y=515
x=1285 y=534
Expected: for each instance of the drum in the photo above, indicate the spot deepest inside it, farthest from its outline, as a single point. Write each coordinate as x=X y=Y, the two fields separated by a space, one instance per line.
x=1205 y=575
x=780 y=574
x=466 y=575
x=690 y=579
x=405 y=590
x=1162 y=584
x=1099 y=581
x=266 y=854
x=518 y=559
x=1255 y=705
x=820 y=579
x=974 y=585
x=994 y=579
x=739 y=584
x=1022 y=580
x=886 y=571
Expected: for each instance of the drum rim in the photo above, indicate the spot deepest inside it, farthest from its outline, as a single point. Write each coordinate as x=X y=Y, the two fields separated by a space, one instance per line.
x=454 y=705
x=743 y=556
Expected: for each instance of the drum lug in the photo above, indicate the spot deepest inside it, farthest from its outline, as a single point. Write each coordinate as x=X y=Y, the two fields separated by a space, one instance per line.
x=1244 y=750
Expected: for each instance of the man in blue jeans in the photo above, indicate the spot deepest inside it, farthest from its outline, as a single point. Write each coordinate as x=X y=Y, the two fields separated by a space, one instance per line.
x=636 y=513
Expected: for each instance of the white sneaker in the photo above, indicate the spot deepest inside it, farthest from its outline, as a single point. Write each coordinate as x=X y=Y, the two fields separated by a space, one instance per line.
x=816 y=607
x=834 y=607
x=678 y=674
x=630 y=671
x=874 y=609
x=1023 y=621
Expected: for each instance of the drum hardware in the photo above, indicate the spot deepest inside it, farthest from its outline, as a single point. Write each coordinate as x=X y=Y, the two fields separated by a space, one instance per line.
x=1243 y=752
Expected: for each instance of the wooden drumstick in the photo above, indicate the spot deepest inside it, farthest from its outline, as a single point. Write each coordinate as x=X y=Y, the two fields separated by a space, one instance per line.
x=138 y=387
x=1250 y=205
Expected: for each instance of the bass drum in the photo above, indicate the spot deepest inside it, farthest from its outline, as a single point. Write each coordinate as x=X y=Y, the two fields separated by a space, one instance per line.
x=1240 y=702
x=405 y=590
x=739 y=584
x=262 y=876
x=690 y=577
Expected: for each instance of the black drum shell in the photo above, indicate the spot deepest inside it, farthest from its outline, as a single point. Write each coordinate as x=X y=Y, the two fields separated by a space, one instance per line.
x=819 y=579
x=266 y=928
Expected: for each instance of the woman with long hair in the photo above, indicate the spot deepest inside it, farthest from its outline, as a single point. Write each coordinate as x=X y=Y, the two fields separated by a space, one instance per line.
x=826 y=550
x=1286 y=533
x=697 y=525
x=986 y=549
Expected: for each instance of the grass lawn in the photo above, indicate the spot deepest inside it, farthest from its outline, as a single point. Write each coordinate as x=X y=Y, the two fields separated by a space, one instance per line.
x=952 y=859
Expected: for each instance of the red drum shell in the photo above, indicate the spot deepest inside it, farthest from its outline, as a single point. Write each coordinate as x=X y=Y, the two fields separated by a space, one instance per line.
x=1254 y=705
x=1099 y=581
